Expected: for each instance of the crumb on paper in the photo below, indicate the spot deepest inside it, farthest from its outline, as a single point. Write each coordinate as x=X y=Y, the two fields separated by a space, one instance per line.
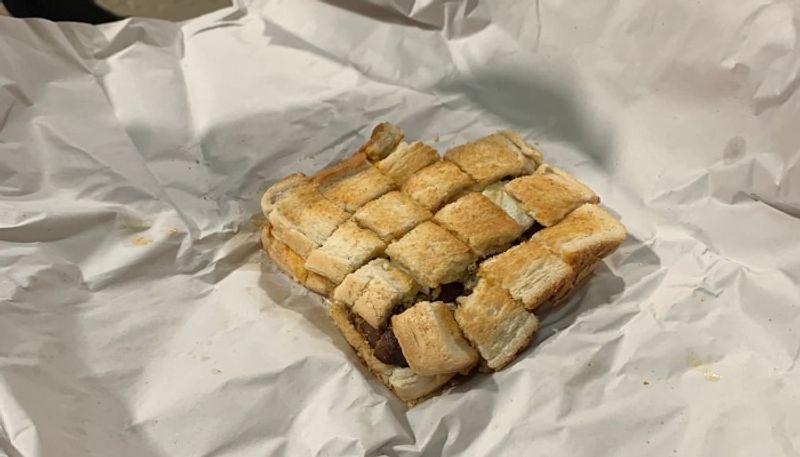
x=172 y=231
x=139 y=240
x=646 y=382
x=436 y=139
x=696 y=364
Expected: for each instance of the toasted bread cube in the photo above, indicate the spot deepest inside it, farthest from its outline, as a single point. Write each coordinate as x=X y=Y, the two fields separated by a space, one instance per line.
x=287 y=233
x=490 y=158
x=529 y=272
x=432 y=255
x=497 y=194
x=286 y=259
x=374 y=290
x=436 y=184
x=407 y=160
x=303 y=219
x=496 y=324
x=550 y=194
x=353 y=182
x=392 y=215
x=588 y=234
x=349 y=247
x=484 y=226
x=384 y=139
x=431 y=340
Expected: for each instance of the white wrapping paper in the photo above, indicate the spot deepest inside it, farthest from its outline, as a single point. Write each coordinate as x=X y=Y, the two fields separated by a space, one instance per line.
x=136 y=318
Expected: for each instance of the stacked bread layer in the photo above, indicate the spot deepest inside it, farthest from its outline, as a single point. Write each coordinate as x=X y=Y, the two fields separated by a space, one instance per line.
x=435 y=265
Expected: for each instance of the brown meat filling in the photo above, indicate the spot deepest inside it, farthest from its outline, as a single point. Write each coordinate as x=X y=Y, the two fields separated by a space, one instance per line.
x=384 y=344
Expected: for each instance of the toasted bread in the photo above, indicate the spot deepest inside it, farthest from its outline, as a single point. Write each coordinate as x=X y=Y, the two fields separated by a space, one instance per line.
x=530 y=273
x=353 y=182
x=432 y=255
x=374 y=289
x=550 y=194
x=479 y=223
x=437 y=184
x=431 y=340
x=407 y=160
x=392 y=215
x=490 y=158
x=349 y=247
x=496 y=324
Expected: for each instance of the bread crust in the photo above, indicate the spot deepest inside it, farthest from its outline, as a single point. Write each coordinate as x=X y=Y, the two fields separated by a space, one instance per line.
x=276 y=191
x=478 y=222
x=283 y=256
x=286 y=232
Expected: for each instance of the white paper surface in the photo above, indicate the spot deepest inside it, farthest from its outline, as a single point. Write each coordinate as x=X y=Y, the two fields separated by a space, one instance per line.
x=136 y=318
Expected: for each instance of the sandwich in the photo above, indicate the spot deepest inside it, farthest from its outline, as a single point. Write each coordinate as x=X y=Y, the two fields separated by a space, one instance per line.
x=436 y=267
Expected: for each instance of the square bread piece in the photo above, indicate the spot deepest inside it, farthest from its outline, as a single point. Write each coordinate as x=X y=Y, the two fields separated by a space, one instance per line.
x=432 y=255
x=436 y=184
x=484 y=226
x=431 y=340
x=303 y=219
x=349 y=247
x=353 y=182
x=374 y=290
x=407 y=160
x=588 y=234
x=497 y=325
x=490 y=158
x=550 y=194
x=404 y=382
x=391 y=215
x=529 y=272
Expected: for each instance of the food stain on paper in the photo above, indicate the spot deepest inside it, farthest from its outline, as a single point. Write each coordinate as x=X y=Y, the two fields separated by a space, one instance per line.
x=139 y=240
x=172 y=231
x=696 y=364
